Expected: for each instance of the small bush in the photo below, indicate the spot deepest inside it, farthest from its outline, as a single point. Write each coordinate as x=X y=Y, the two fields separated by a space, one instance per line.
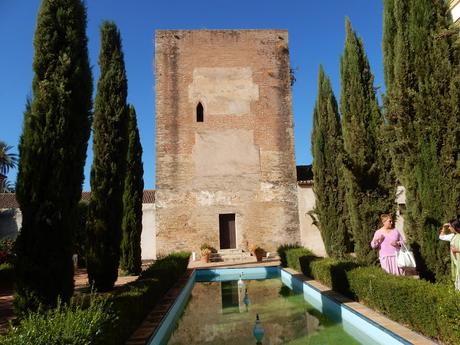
x=6 y=275
x=431 y=309
x=282 y=252
x=108 y=322
x=300 y=259
x=133 y=301
x=332 y=272
x=6 y=251
x=70 y=325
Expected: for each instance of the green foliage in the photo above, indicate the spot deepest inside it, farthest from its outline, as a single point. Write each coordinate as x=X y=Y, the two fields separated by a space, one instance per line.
x=130 y=259
x=282 y=250
x=72 y=325
x=370 y=183
x=421 y=61
x=6 y=275
x=329 y=271
x=109 y=161
x=133 y=301
x=52 y=155
x=102 y=322
x=430 y=309
x=168 y=267
x=329 y=185
x=6 y=251
x=294 y=257
x=80 y=239
x=8 y=161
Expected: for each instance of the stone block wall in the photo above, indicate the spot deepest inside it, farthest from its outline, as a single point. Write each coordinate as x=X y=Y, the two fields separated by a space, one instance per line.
x=240 y=158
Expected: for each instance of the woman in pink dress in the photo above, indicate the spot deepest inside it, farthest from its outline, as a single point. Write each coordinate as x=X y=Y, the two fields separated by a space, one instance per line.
x=387 y=240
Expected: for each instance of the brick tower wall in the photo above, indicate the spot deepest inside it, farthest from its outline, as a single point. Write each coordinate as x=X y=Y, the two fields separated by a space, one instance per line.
x=240 y=159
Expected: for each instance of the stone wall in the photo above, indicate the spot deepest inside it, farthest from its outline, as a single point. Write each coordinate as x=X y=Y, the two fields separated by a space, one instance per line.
x=148 y=239
x=310 y=236
x=10 y=223
x=240 y=159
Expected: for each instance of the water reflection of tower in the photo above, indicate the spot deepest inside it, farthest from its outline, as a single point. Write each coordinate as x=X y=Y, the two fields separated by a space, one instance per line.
x=246 y=300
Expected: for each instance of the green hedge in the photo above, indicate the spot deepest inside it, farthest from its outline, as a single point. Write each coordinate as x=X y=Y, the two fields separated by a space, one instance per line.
x=430 y=309
x=133 y=301
x=6 y=276
x=71 y=325
x=122 y=311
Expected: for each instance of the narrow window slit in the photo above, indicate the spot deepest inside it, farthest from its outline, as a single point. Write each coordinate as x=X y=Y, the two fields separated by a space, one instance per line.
x=199 y=113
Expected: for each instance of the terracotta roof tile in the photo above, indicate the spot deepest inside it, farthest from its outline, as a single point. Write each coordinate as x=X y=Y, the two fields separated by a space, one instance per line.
x=304 y=174
x=8 y=200
x=149 y=196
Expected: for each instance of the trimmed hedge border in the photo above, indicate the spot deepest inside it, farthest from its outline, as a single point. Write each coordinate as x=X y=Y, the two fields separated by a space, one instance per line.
x=126 y=307
x=430 y=309
x=6 y=275
x=133 y=301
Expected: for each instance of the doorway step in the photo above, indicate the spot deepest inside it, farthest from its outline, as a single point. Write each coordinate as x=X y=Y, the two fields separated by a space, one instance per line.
x=231 y=255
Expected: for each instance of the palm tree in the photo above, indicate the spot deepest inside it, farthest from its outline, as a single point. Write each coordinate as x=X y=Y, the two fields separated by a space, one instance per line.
x=8 y=160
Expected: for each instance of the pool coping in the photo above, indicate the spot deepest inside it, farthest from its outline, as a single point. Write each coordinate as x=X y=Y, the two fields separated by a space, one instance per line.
x=156 y=316
x=374 y=317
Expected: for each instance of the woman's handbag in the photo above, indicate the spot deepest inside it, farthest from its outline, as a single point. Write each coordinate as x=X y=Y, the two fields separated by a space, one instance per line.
x=404 y=257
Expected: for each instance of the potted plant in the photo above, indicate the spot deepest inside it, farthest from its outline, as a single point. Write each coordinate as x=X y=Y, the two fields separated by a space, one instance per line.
x=252 y=249
x=206 y=251
x=259 y=253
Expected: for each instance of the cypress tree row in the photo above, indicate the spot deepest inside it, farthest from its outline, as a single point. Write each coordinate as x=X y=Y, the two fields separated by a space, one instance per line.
x=327 y=148
x=422 y=74
x=130 y=260
x=109 y=161
x=369 y=180
x=52 y=155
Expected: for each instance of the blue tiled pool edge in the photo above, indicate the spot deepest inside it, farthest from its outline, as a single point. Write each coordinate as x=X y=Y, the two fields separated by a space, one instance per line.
x=352 y=320
x=349 y=317
x=165 y=328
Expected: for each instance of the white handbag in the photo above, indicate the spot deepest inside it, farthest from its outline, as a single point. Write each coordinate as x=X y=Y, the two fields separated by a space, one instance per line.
x=404 y=257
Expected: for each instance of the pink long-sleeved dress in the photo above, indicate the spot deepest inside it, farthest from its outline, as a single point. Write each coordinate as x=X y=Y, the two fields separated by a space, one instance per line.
x=387 y=253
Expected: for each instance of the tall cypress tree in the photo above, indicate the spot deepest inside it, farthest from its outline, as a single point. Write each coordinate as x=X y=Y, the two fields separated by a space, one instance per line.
x=327 y=148
x=422 y=104
x=52 y=155
x=109 y=161
x=369 y=179
x=130 y=260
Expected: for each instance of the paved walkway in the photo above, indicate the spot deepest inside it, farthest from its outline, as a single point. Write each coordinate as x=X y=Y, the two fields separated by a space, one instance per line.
x=6 y=308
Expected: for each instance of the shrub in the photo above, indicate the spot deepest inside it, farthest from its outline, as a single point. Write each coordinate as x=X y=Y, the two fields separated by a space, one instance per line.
x=299 y=258
x=70 y=325
x=282 y=252
x=6 y=251
x=133 y=301
x=431 y=309
x=101 y=322
x=6 y=275
x=332 y=272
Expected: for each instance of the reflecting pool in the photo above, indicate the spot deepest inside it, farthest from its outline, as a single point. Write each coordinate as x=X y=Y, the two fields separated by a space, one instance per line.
x=224 y=312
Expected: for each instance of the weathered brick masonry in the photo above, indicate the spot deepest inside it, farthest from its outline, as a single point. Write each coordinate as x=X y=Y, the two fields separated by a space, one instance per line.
x=240 y=159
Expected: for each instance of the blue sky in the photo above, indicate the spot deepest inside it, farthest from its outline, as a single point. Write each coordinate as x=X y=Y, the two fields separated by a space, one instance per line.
x=316 y=36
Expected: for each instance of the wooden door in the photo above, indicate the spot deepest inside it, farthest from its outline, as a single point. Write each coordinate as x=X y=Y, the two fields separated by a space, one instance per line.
x=227 y=234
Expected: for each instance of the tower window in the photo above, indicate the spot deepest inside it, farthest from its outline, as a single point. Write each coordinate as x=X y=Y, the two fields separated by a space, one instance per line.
x=199 y=113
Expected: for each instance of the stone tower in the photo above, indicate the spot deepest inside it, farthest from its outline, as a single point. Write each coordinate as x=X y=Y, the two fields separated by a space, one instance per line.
x=225 y=166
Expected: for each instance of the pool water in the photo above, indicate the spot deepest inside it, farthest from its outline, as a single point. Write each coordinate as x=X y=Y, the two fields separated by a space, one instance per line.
x=224 y=312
